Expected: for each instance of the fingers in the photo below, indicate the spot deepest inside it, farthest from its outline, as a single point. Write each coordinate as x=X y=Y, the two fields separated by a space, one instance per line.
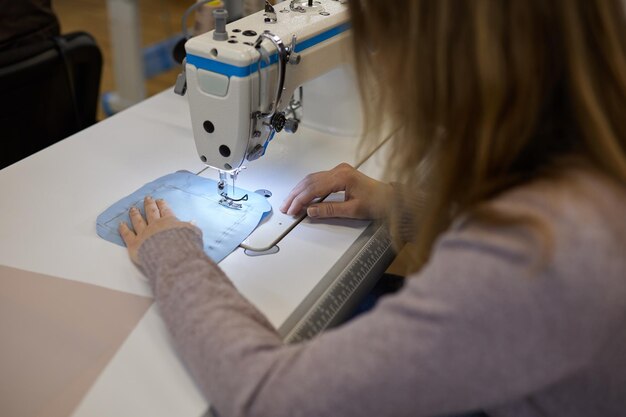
x=154 y=211
x=127 y=235
x=151 y=209
x=158 y=217
x=316 y=185
x=346 y=209
x=165 y=210
x=365 y=197
x=304 y=186
x=300 y=199
x=139 y=224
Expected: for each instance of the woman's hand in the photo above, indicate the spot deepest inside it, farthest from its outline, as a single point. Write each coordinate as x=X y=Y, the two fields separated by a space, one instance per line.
x=159 y=217
x=365 y=198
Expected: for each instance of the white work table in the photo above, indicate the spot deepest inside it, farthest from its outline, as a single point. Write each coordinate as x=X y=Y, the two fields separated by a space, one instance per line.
x=48 y=210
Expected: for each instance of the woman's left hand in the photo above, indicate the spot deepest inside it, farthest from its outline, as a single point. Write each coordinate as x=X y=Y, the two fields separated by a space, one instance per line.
x=159 y=217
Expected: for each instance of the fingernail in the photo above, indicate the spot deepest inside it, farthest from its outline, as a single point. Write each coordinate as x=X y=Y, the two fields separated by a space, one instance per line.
x=148 y=197
x=133 y=208
x=313 y=211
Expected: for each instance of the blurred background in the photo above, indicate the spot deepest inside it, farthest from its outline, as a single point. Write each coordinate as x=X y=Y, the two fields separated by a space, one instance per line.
x=159 y=28
x=159 y=20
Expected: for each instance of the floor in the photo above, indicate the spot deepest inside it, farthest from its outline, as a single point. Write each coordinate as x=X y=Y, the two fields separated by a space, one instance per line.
x=160 y=20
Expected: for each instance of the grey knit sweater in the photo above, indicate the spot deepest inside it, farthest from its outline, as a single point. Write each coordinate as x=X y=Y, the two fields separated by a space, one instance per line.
x=493 y=322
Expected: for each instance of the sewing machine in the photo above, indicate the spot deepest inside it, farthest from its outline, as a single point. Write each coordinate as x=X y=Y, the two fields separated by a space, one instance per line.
x=241 y=81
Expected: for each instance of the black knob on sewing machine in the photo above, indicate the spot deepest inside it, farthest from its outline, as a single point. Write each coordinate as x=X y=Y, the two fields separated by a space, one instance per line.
x=278 y=121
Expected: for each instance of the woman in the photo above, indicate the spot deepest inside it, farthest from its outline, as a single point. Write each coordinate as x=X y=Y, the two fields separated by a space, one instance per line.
x=511 y=145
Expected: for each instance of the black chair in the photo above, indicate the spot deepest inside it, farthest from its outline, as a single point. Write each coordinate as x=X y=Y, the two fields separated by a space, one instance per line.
x=48 y=91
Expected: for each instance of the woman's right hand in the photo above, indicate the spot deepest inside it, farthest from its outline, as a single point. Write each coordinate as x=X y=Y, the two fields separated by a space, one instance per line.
x=365 y=198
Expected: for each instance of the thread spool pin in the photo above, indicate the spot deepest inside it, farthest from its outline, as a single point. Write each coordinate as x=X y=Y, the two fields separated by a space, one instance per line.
x=220 y=33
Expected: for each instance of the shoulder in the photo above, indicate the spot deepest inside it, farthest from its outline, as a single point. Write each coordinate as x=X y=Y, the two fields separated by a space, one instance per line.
x=568 y=214
x=564 y=257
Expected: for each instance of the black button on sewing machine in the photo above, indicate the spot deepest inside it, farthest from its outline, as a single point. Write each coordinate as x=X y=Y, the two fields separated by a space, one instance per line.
x=249 y=33
x=225 y=151
x=208 y=126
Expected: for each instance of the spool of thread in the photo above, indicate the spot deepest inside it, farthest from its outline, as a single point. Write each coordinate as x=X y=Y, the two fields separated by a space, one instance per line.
x=204 y=17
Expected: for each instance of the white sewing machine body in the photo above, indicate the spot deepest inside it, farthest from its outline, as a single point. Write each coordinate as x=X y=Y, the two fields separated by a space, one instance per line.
x=239 y=96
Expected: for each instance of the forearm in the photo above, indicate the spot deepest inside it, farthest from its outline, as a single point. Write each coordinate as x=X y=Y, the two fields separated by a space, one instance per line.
x=217 y=332
x=235 y=355
x=244 y=369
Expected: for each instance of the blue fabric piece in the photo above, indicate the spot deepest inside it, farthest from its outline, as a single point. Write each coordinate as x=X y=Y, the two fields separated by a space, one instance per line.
x=192 y=198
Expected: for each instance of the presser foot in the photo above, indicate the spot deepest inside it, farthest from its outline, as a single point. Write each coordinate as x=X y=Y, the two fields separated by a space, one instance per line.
x=232 y=203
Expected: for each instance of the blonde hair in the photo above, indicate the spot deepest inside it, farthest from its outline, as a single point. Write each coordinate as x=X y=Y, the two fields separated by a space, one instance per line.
x=489 y=94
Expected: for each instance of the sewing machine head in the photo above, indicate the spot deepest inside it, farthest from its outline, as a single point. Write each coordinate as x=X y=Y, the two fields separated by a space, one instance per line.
x=241 y=77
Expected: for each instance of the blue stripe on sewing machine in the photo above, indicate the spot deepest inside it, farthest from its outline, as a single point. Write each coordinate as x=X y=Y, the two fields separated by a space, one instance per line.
x=233 y=70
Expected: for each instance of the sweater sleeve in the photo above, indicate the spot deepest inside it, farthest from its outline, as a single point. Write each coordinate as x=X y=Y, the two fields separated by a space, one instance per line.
x=463 y=335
